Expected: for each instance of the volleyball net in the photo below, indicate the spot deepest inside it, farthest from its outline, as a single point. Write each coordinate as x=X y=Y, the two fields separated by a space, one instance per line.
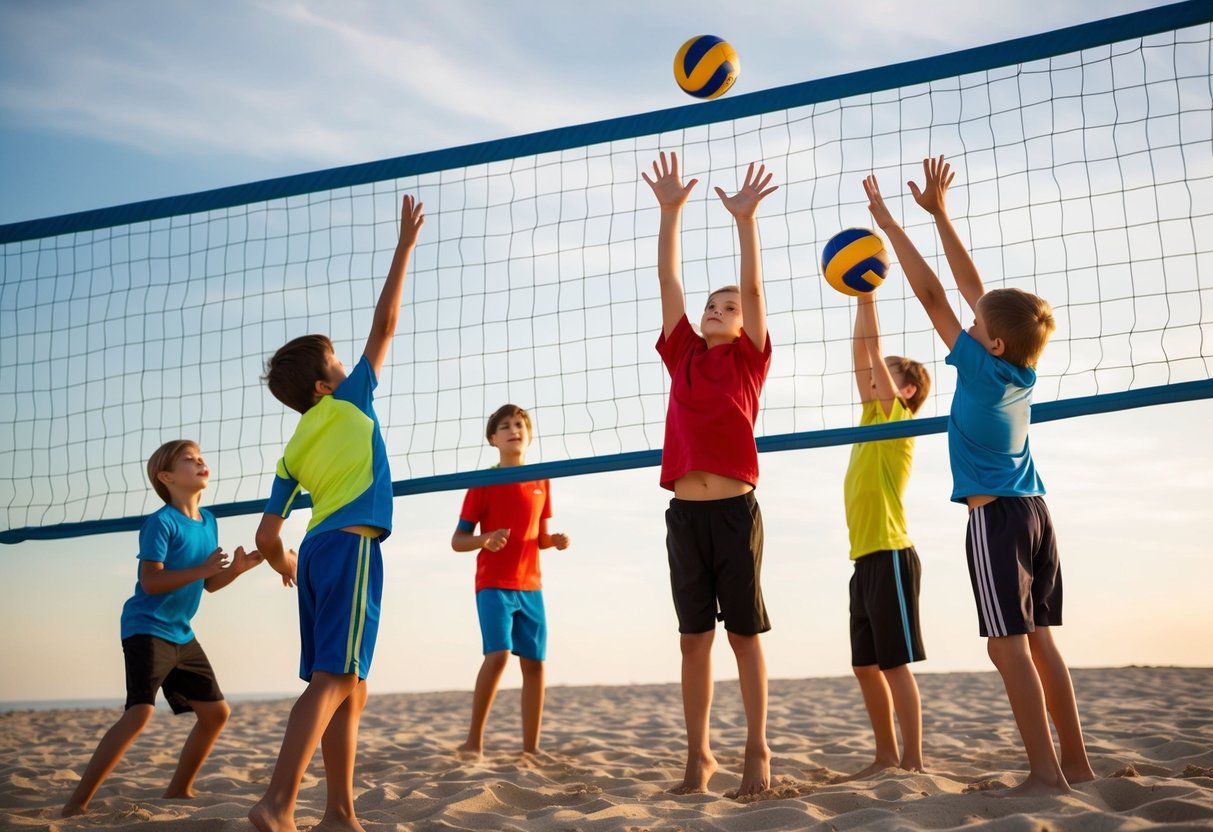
x=1085 y=175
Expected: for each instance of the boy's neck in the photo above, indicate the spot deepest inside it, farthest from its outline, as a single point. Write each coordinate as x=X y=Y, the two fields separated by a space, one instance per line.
x=511 y=460
x=187 y=503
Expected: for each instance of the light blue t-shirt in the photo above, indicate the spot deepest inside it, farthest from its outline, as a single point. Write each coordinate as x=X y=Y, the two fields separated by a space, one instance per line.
x=338 y=456
x=988 y=426
x=179 y=542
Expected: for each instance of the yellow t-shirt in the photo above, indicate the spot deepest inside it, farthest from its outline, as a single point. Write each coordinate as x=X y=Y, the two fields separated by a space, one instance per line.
x=875 y=482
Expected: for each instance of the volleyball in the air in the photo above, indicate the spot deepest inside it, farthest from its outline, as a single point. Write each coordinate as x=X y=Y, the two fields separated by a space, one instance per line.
x=854 y=261
x=706 y=66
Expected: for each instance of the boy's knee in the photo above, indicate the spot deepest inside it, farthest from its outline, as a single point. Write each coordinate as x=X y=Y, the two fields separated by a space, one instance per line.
x=212 y=714
x=138 y=716
x=693 y=644
x=531 y=667
x=743 y=644
x=864 y=672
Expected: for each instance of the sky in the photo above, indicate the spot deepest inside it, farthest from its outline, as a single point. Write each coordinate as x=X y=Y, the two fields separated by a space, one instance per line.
x=107 y=102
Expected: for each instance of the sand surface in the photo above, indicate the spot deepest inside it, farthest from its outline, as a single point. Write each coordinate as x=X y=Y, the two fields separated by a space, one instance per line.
x=610 y=754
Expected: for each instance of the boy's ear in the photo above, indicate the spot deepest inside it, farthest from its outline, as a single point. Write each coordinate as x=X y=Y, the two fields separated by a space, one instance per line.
x=908 y=390
x=322 y=388
x=160 y=475
x=998 y=347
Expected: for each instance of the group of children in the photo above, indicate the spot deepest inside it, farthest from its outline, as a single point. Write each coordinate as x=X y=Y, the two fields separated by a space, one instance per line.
x=714 y=527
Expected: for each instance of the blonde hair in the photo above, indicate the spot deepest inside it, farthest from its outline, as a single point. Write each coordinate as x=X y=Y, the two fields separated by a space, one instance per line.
x=913 y=372
x=1022 y=320
x=163 y=459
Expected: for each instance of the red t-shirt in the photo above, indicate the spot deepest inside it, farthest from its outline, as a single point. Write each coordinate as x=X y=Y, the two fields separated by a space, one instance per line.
x=709 y=424
x=519 y=507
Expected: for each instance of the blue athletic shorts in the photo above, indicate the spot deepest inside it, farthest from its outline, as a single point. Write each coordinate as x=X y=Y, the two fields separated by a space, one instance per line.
x=340 y=577
x=514 y=620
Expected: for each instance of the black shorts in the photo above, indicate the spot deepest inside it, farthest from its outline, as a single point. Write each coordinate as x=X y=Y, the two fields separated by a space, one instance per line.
x=181 y=669
x=1014 y=566
x=884 y=609
x=715 y=552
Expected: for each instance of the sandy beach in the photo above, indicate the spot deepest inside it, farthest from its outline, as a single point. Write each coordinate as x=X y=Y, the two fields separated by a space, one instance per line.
x=610 y=754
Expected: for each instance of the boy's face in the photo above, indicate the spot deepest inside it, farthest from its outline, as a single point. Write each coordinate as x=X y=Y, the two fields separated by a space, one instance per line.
x=512 y=436
x=189 y=473
x=721 y=321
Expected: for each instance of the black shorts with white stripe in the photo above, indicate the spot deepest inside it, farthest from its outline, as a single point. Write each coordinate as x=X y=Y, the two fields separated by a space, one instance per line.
x=1013 y=566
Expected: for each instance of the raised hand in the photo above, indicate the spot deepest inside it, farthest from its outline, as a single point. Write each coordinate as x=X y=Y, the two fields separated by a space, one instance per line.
x=938 y=175
x=244 y=561
x=497 y=540
x=215 y=563
x=876 y=207
x=744 y=203
x=666 y=184
x=412 y=217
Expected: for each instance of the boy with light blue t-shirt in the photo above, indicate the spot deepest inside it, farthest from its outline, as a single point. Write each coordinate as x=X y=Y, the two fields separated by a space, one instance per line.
x=337 y=455
x=179 y=556
x=1012 y=552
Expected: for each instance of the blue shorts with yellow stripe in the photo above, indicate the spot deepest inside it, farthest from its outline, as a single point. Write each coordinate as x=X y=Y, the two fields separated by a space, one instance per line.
x=340 y=584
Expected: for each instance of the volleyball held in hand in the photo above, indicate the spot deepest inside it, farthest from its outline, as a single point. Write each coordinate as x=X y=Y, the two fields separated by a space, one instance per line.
x=706 y=66
x=854 y=261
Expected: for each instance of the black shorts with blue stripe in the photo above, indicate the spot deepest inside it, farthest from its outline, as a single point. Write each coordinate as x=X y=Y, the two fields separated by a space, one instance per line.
x=884 y=609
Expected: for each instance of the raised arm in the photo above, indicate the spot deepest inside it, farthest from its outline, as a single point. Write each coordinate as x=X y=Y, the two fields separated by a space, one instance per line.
x=938 y=175
x=922 y=279
x=872 y=375
x=671 y=196
x=744 y=207
x=387 y=310
x=241 y=562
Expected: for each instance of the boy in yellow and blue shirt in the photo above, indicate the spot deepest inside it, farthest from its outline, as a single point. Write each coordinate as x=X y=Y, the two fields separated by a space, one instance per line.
x=337 y=454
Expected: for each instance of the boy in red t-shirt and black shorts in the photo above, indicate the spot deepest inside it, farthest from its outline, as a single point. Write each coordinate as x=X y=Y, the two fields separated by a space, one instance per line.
x=710 y=462
x=513 y=520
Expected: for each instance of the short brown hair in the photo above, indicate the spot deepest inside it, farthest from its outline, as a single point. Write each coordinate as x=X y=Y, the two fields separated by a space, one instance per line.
x=163 y=459
x=293 y=371
x=732 y=288
x=507 y=411
x=914 y=373
x=1022 y=320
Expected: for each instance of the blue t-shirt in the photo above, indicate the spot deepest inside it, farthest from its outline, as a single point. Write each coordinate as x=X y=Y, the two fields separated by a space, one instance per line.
x=988 y=426
x=337 y=455
x=179 y=542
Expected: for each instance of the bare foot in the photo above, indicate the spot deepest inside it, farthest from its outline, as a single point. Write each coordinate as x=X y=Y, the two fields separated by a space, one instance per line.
x=469 y=752
x=1078 y=774
x=1033 y=787
x=71 y=809
x=266 y=819
x=756 y=776
x=699 y=771
x=338 y=823
x=186 y=794
x=875 y=768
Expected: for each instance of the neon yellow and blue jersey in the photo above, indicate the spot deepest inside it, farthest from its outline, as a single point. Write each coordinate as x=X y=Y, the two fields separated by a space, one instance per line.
x=337 y=455
x=875 y=482
x=179 y=542
x=988 y=425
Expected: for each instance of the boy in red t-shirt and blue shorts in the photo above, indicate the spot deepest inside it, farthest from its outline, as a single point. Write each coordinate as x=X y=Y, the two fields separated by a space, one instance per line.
x=710 y=462
x=513 y=520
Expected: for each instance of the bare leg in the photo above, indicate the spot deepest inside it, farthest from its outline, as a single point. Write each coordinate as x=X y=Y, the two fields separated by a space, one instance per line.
x=339 y=747
x=212 y=716
x=696 y=708
x=487 y=681
x=908 y=704
x=1013 y=659
x=879 y=703
x=1062 y=704
x=532 y=704
x=752 y=674
x=309 y=719
x=109 y=752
